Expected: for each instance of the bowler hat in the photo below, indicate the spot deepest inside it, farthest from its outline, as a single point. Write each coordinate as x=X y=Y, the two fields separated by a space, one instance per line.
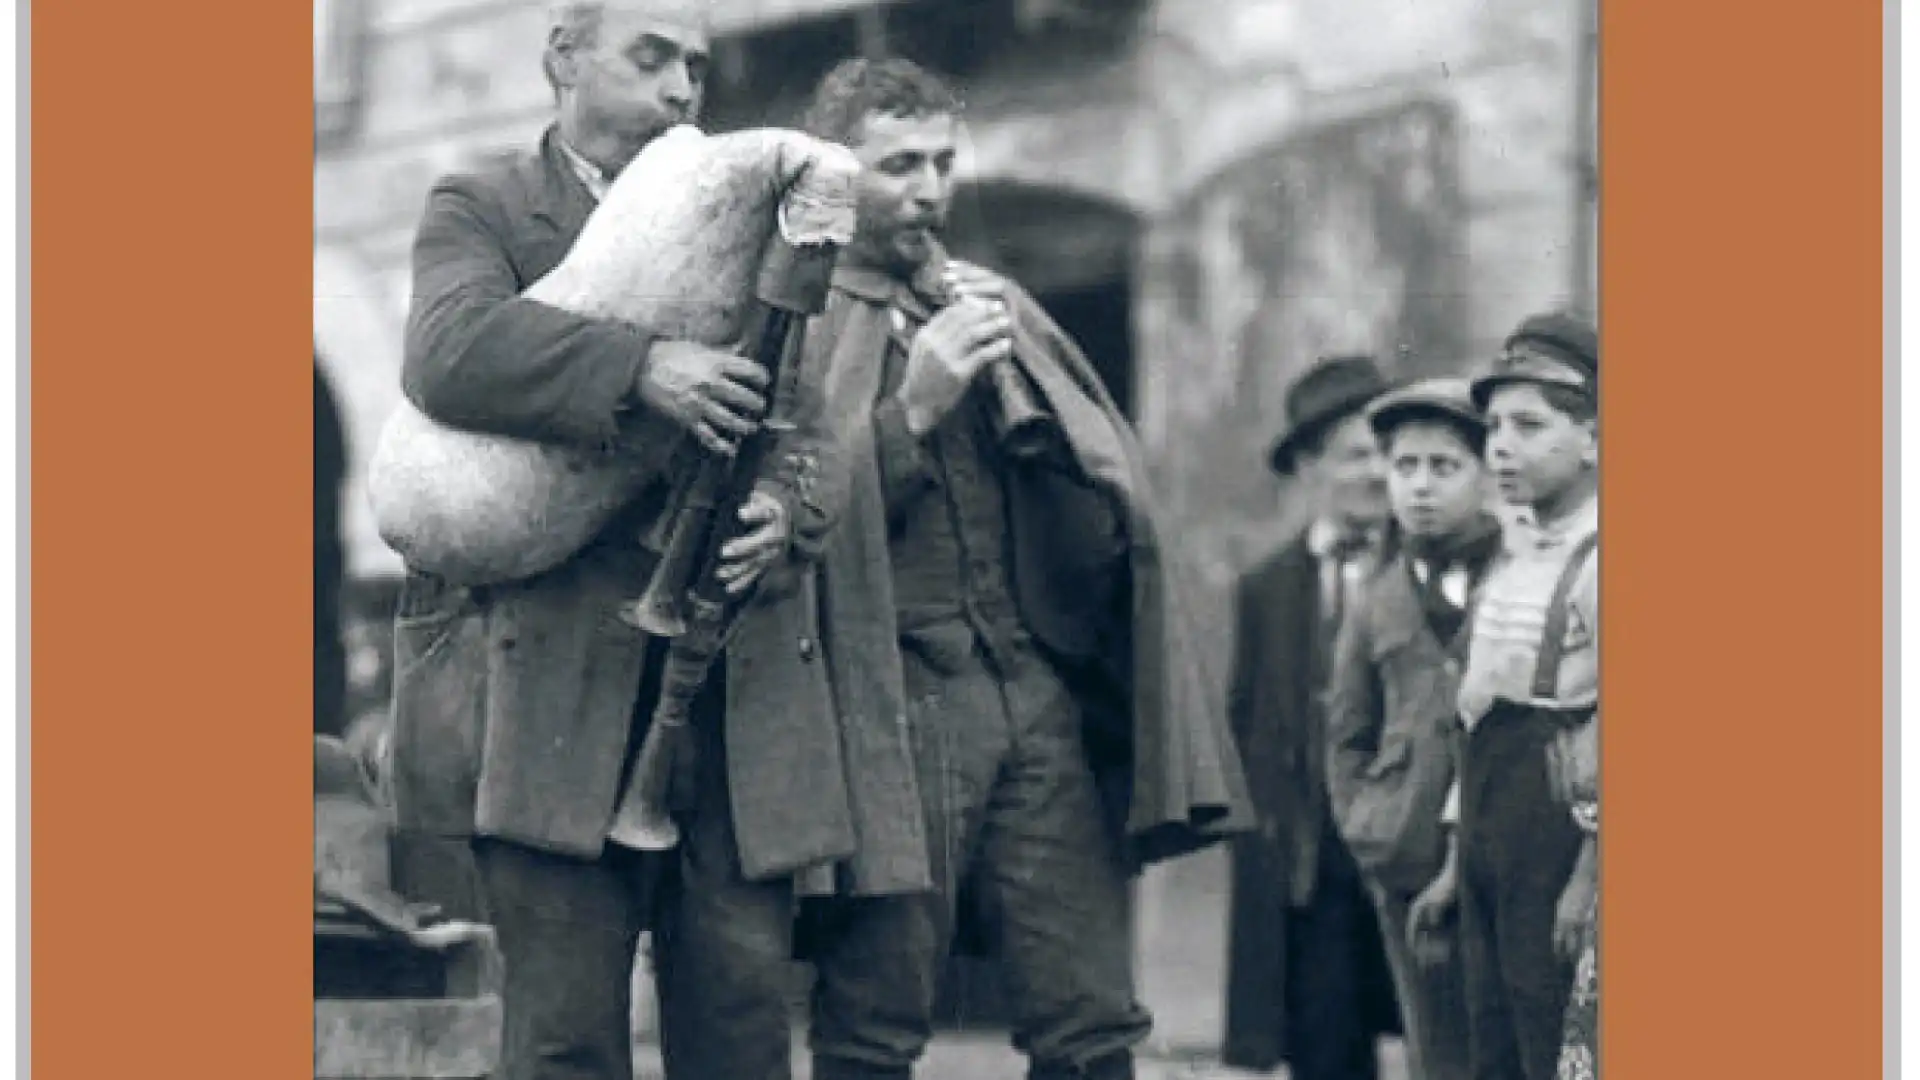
x=1448 y=398
x=1330 y=391
x=1555 y=348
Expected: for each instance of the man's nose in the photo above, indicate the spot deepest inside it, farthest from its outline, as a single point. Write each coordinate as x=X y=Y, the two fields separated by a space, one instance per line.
x=676 y=86
x=929 y=188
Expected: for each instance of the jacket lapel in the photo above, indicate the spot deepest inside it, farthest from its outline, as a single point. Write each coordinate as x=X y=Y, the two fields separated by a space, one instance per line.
x=1299 y=600
x=1396 y=613
x=558 y=205
x=559 y=199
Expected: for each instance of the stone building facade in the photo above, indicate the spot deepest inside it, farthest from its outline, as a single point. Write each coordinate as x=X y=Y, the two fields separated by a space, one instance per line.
x=1209 y=193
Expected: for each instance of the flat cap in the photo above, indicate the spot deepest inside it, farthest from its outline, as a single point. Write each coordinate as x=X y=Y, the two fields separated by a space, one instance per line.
x=1554 y=348
x=1427 y=398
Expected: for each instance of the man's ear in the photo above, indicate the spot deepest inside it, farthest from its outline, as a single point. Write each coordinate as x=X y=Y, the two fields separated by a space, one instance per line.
x=562 y=62
x=1590 y=453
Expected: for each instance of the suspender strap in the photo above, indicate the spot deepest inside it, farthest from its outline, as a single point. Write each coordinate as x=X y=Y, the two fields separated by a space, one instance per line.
x=1546 y=674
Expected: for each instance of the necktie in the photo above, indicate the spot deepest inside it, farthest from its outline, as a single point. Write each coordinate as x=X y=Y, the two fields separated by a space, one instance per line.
x=1340 y=566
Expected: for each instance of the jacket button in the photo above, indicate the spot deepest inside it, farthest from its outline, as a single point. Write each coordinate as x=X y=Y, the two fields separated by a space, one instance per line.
x=806 y=649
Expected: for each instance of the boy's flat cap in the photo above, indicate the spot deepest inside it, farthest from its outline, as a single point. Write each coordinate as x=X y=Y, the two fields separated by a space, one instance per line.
x=1452 y=398
x=1555 y=348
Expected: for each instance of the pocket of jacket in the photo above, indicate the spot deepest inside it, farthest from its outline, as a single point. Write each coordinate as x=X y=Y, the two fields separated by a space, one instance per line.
x=1394 y=756
x=439 y=708
x=1393 y=825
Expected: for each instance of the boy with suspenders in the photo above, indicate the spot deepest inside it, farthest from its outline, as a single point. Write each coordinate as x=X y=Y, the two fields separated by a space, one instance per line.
x=1521 y=869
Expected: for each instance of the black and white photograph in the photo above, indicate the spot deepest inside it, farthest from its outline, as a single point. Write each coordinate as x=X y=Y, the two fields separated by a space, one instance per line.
x=956 y=539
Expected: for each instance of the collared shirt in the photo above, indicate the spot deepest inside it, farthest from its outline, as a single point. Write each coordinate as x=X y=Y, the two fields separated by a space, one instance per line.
x=1341 y=570
x=1455 y=581
x=1510 y=621
x=590 y=175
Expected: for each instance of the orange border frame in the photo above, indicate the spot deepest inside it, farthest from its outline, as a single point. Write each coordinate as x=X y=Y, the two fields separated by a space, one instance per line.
x=1741 y=300
x=171 y=532
x=170 y=527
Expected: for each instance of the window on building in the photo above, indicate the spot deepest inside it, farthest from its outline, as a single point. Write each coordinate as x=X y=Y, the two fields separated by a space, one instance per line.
x=957 y=40
x=764 y=78
x=967 y=41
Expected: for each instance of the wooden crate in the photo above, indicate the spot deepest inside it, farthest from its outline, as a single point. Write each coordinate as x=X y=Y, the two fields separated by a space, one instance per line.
x=386 y=1010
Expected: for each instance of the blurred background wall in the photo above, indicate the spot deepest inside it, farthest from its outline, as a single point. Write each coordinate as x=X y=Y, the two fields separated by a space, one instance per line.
x=1208 y=193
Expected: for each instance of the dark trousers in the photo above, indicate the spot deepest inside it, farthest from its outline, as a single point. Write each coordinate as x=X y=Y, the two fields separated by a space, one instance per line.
x=568 y=930
x=1013 y=813
x=1330 y=1028
x=1518 y=847
x=1433 y=1000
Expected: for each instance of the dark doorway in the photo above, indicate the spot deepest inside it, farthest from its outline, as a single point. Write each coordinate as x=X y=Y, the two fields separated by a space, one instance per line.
x=1073 y=252
x=1099 y=318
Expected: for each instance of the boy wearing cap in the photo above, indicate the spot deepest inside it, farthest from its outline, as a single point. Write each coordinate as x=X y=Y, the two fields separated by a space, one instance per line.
x=1308 y=981
x=1522 y=870
x=1395 y=687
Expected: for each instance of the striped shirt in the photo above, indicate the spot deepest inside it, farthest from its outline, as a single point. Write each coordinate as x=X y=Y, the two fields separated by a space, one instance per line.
x=1510 y=621
x=1512 y=617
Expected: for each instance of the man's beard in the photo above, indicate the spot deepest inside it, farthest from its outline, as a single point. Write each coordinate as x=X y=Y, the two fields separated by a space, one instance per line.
x=887 y=250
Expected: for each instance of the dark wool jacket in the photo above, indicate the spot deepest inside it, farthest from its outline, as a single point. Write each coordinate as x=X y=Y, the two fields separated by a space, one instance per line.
x=1110 y=616
x=1275 y=708
x=514 y=705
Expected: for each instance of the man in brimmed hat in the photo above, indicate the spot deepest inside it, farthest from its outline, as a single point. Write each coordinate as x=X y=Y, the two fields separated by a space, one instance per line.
x=1522 y=872
x=1308 y=981
x=1394 y=692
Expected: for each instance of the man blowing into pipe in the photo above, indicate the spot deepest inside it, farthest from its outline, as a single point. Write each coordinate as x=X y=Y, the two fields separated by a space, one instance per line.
x=1014 y=696
x=519 y=707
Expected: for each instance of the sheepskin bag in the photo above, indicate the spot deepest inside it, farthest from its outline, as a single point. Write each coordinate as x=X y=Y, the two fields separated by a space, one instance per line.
x=673 y=249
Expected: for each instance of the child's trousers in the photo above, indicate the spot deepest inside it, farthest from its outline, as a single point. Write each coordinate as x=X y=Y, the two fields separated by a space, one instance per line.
x=1518 y=847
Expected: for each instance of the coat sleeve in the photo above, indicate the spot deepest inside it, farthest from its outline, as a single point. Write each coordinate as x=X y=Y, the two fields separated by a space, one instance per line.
x=481 y=357
x=1353 y=715
x=1586 y=802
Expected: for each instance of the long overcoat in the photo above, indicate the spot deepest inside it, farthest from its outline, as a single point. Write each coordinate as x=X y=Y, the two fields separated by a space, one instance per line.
x=515 y=704
x=1274 y=712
